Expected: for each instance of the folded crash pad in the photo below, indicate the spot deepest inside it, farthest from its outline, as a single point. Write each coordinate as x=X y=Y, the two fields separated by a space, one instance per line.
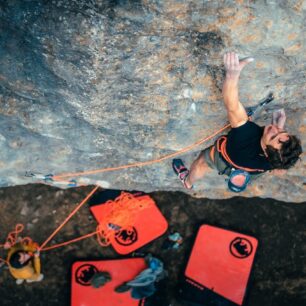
x=149 y=224
x=123 y=270
x=219 y=266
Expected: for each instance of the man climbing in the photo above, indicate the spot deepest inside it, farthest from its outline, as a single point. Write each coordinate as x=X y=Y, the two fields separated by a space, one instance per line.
x=24 y=262
x=248 y=150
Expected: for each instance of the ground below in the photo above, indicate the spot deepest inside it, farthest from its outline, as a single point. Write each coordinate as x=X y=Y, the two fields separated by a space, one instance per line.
x=279 y=273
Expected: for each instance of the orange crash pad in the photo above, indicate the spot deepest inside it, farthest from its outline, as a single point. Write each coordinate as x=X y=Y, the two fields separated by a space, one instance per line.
x=221 y=262
x=123 y=270
x=149 y=224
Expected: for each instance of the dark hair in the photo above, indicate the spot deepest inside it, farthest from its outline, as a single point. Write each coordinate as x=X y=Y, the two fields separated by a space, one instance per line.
x=14 y=260
x=288 y=154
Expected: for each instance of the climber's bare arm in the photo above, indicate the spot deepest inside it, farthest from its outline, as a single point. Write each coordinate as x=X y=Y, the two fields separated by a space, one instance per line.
x=237 y=115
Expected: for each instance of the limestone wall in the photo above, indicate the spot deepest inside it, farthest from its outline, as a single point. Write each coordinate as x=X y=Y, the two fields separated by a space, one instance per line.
x=93 y=84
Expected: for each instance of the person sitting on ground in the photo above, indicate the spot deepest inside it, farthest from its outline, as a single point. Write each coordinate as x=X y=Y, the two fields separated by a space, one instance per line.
x=248 y=150
x=24 y=262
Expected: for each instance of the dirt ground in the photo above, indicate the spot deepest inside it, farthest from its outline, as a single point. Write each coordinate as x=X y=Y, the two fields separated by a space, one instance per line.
x=279 y=272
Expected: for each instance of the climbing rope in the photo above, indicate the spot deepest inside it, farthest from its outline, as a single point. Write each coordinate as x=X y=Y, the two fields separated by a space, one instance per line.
x=62 y=178
x=120 y=214
x=68 y=218
x=69 y=241
x=12 y=238
x=141 y=164
x=123 y=209
x=117 y=218
x=106 y=230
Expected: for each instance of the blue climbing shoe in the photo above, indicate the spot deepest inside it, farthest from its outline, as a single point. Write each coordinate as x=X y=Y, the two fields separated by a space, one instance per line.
x=181 y=171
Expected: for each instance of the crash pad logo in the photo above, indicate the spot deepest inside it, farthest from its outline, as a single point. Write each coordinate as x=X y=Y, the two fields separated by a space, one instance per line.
x=84 y=274
x=126 y=236
x=241 y=247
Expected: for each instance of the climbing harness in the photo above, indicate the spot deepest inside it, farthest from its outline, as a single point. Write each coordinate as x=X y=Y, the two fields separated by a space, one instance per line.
x=221 y=147
x=238 y=180
x=238 y=177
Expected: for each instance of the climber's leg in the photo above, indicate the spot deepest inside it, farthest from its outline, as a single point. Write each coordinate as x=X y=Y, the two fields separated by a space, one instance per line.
x=197 y=170
x=188 y=177
x=209 y=159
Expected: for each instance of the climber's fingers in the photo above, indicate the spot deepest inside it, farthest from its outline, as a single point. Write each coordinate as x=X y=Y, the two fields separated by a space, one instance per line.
x=245 y=61
x=232 y=64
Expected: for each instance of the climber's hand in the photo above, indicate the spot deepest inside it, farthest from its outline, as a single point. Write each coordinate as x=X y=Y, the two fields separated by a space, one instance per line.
x=232 y=64
x=279 y=118
x=36 y=253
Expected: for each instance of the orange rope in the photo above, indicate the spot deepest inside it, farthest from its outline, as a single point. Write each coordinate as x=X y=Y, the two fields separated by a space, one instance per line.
x=98 y=232
x=70 y=241
x=120 y=214
x=141 y=164
x=12 y=237
x=68 y=218
x=105 y=235
x=1 y=259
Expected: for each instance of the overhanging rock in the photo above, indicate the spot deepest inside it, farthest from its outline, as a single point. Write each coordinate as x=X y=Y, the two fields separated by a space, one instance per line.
x=94 y=84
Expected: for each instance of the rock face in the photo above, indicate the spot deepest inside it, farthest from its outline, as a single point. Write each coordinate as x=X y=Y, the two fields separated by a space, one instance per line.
x=101 y=83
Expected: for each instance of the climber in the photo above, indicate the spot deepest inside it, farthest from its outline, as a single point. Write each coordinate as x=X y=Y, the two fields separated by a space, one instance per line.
x=248 y=150
x=24 y=262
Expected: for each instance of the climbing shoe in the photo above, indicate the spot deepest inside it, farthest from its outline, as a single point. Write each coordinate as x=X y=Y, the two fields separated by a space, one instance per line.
x=181 y=171
x=122 y=288
x=100 y=279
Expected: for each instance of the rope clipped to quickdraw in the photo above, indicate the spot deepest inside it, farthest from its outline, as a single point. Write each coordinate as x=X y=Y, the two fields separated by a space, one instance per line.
x=48 y=180
x=12 y=238
x=121 y=215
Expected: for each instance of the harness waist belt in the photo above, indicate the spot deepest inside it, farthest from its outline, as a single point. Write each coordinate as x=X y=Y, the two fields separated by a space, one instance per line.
x=221 y=147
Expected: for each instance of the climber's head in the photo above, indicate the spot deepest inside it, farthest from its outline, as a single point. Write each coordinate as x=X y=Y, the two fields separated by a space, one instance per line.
x=19 y=259
x=281 y=149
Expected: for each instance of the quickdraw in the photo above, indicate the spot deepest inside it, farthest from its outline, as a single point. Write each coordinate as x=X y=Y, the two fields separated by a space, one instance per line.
x=48 y=179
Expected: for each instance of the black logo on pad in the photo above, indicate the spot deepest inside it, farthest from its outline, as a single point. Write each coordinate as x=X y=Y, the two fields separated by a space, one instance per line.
x=241 y=247
x=126 y=236
x=85 y=273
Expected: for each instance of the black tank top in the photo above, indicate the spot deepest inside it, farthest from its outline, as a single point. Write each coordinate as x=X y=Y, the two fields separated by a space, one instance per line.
x=244 y=149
